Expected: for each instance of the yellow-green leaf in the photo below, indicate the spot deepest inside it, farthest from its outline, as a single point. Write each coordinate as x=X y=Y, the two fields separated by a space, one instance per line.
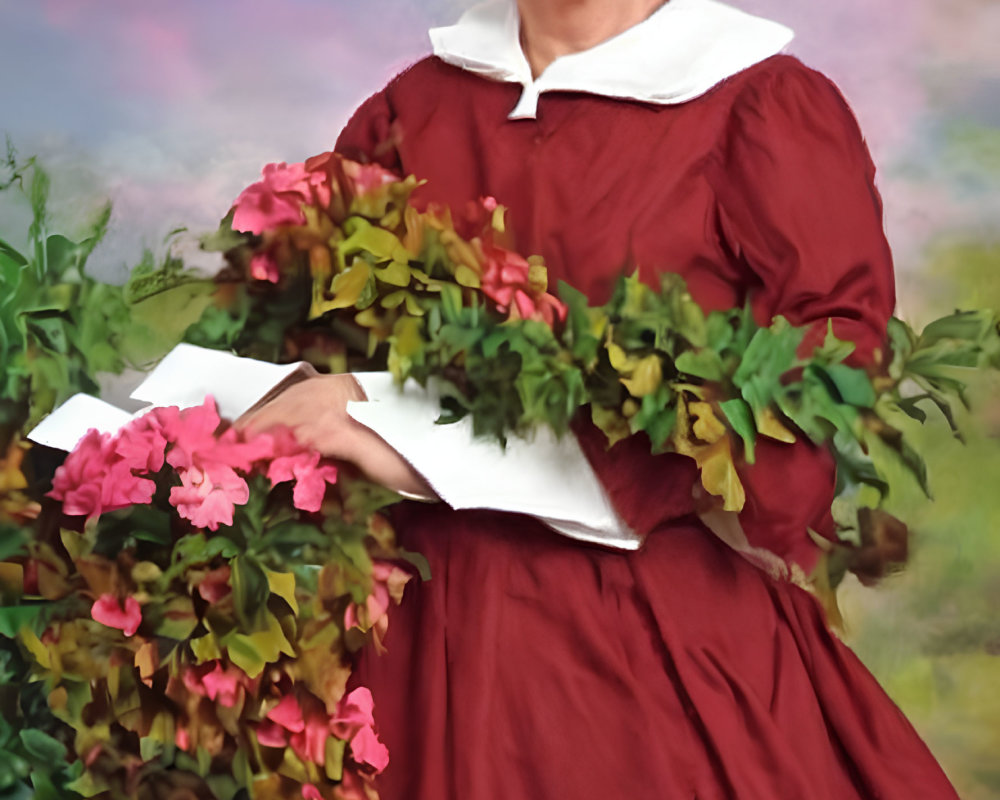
x=466 y=276
x=283 y=585
x=395 y=273
x=769 y=425
x=611 y=422
x=333 y=762
x=706 y=426
x=205 y=648
x=348 y=286
x=619 y=359
x=394 y=299
x=413 y=307
x=719 y=476
x=406 y=334
x=645 y=378
x=252 y=652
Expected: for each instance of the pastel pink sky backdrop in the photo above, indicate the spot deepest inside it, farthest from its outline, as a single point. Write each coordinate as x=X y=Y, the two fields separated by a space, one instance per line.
x=171 y=108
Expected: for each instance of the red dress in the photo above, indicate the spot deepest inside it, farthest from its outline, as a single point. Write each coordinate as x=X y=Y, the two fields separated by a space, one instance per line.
x=533 y=666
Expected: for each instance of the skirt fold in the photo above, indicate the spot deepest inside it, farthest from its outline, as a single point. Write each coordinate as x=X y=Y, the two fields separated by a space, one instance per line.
x=534 y=667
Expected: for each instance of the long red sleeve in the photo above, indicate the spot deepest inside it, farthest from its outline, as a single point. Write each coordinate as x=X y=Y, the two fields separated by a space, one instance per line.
x=798 y=206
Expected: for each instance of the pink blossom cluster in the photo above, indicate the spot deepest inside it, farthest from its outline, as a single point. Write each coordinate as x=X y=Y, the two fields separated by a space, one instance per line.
x=105 y=472
x=278 y=199
x=109 y=611
x=221 y=683
x=373 y=614
x=304 y=725
x=508 y=281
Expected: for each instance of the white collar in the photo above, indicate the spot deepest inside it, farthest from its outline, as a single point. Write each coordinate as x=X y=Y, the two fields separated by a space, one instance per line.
x=680 y=52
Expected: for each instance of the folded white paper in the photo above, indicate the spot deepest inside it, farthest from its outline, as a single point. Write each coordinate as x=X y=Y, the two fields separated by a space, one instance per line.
x=545 y=476
x=188 y=374
x=66 y=425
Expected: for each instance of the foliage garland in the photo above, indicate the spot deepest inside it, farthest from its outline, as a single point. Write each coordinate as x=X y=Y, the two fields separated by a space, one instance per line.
x=431 y=294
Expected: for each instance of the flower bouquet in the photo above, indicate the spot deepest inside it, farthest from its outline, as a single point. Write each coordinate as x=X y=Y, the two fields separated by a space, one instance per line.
x=199 y=593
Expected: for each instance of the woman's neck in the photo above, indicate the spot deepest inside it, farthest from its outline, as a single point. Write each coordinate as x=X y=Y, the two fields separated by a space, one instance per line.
x=554 y=28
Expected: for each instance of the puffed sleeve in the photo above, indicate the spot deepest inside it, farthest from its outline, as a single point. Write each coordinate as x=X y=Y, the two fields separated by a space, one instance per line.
x=370 y=134
x=798 y=208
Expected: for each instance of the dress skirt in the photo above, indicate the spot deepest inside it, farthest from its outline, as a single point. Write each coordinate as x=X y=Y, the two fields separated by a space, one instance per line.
x=531 y=666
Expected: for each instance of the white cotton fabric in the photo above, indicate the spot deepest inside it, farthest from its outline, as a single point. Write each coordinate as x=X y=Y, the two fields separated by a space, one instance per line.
x=680 y=52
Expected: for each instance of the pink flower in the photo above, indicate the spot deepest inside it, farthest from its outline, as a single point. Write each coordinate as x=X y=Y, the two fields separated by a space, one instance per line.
x=195 y=441
x=208 y=498
x=355 y=710
x=355 y=722
x=277 y=199
x=182 y=739
x=108 y=611
x=310 y=792
x=189 y=431
x=215 y=682
x=263 y=267
x=368 y=751
x=511 y=282
x=287 y=714
x=309 y=475
x=78 y=482
x=122 y=488
x=141 y=444
x=215 y=585
x=94 y=479
x=389 y=581
x=305 y=730
x=367 y=178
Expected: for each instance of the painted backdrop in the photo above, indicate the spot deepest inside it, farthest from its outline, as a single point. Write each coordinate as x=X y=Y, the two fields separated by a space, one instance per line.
x=170 y=109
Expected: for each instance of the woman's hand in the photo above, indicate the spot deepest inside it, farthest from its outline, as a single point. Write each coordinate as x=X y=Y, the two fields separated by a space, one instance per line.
x=316 y=411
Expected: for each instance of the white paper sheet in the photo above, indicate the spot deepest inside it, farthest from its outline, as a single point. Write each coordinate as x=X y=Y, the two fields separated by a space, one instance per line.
x=188 y=374
x=545 y=477
x=66 y=425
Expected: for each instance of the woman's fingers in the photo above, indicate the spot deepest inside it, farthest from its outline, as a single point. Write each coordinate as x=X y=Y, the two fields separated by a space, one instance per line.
x=316 y=410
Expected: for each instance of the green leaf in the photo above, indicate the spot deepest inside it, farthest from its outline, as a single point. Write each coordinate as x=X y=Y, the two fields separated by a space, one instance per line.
x=363 y=237
x=833 y=350
x=13 y=618
x=13 y=540
x=64 y=256
x=225 y=238
x=718 y=330
x=250 y=592
x=252 y=652
x=853 y=385
x=854 y=467
x=162 y=318
x=178 y=619
x=42 y=747
x=702 y=363
x=9 y=251
x=910 y=407
x=740 y=417
x=657 y=416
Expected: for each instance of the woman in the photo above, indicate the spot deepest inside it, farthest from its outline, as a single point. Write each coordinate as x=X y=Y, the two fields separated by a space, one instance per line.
x=664 y=137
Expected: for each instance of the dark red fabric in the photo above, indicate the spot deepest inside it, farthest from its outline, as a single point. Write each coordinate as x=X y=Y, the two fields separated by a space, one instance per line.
x=532 y=666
